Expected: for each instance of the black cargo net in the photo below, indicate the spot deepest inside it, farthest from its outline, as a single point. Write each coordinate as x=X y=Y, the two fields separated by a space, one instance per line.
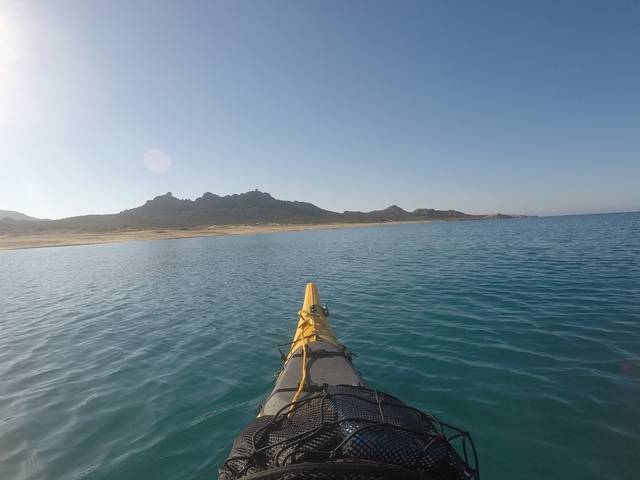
x=348 y=432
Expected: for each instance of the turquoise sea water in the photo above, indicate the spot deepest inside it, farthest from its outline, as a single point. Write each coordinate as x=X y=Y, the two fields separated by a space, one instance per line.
x=144 y=360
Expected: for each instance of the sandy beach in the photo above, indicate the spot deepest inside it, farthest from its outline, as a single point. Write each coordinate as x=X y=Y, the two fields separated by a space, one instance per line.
x=68 y=238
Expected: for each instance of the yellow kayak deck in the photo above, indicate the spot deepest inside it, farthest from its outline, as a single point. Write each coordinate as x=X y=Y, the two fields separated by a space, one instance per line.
x=315 y=358
x=313 y=325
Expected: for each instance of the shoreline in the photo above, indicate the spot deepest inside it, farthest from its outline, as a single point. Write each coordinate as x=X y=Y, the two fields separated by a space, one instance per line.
x=73 y=238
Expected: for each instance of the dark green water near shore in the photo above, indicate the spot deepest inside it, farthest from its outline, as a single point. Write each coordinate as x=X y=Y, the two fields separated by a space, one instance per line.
x=144 y=360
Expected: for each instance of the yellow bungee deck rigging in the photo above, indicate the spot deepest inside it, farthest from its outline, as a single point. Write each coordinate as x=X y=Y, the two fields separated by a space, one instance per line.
x=313 y=326
x=315 y=357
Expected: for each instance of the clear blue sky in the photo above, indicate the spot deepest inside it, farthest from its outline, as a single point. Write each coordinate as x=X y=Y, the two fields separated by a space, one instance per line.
x=518 y=107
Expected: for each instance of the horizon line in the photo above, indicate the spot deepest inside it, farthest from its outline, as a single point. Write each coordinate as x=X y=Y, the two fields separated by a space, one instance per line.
x=169 y=193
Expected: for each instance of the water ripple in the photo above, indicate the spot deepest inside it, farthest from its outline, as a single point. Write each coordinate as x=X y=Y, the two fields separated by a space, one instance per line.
x=144 y=360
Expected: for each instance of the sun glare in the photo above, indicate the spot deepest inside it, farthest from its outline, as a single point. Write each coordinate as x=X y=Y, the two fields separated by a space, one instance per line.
x=13 y=89
x=8 y=47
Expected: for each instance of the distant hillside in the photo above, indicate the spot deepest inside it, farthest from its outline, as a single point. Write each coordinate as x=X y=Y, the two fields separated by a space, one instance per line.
x=167 y=211
x=14 y=215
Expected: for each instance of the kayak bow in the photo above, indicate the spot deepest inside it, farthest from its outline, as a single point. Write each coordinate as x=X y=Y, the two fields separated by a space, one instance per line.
x=320 y=421
x=313 y=325
x=316 y=357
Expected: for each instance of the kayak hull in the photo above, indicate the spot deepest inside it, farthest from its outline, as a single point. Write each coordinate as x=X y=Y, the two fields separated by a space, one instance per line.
x=320 y=421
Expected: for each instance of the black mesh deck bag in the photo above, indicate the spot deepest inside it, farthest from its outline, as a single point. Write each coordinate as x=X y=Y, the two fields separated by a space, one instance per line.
x=348 y=432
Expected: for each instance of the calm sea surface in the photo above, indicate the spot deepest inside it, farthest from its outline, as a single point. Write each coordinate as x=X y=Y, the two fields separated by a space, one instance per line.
x=144 y=360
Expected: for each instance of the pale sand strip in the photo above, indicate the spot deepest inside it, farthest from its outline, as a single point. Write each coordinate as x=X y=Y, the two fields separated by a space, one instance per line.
x=68 y=238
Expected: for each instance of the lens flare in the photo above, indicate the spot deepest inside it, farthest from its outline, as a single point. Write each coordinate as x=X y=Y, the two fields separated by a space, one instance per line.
x=157 y=161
